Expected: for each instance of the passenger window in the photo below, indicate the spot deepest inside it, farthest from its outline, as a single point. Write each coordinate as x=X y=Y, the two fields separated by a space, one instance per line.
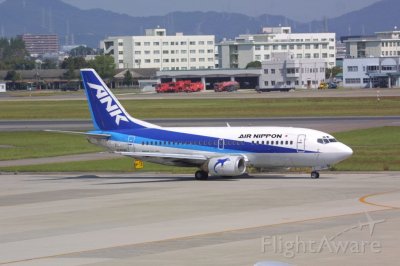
x=281 y=142
x=287 y=142
x=291 y=142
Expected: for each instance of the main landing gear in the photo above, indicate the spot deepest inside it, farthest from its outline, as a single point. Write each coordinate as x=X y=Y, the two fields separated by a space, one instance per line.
x=201 y=175
x=314 y=175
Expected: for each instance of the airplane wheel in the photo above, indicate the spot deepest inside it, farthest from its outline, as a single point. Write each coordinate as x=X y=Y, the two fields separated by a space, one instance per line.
x=201 y=175
x=314 y=175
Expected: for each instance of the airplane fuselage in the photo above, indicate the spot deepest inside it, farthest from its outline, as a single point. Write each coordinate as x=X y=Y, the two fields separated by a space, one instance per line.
x=263 y=147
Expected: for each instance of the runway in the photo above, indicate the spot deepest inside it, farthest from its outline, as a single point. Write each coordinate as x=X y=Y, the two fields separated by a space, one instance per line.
x=327 y=124
x=162 y=219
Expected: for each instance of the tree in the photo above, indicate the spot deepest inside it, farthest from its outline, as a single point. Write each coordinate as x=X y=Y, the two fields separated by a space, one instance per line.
x=254 y=64
x=49 y=64
x=81 y=51
x=76 y=62
x=128 y=79
x=333 y=72
x=104 y=66
x=13 y=76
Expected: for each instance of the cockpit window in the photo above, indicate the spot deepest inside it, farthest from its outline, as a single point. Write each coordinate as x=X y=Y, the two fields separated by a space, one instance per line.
x=326 y=140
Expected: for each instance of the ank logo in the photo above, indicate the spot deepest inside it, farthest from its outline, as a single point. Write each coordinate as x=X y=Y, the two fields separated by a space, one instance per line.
x=112 y=109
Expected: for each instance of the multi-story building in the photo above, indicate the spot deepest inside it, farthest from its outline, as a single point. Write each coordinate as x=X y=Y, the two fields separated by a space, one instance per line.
x=158 y=50
x=371 y=72
x=284 y=70
x=40 y=44
x=259 y=47
x=385 y=44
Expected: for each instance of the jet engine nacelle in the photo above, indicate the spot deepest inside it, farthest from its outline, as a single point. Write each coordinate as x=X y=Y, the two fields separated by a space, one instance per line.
x=227 y=166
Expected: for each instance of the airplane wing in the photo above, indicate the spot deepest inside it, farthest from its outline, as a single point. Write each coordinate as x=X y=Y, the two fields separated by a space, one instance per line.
x=168 y=158
x=88 y=134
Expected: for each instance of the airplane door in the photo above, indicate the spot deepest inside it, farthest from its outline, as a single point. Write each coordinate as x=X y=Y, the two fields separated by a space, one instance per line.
x=221 y=144
x=131 y=142
x=301 y=143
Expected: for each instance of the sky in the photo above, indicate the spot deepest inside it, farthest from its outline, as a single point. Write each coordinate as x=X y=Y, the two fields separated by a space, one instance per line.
x=300 y=10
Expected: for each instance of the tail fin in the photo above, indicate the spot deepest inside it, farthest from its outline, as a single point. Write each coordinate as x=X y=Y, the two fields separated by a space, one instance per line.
x=106 y=111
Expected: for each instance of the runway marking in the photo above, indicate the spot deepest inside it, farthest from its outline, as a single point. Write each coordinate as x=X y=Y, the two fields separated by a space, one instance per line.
x=363 y=199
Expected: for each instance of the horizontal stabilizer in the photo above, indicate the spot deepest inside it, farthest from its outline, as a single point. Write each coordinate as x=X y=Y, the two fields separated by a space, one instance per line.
x=88 y=134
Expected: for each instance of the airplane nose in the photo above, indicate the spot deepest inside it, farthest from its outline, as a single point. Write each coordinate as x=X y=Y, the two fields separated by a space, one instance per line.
x=345 y=152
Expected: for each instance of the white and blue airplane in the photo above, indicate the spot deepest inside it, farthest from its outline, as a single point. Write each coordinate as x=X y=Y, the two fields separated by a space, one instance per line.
x=217 y=151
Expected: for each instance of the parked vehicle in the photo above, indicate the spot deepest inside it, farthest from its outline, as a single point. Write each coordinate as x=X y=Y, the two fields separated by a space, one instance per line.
x=226 y=86
x=179 y=86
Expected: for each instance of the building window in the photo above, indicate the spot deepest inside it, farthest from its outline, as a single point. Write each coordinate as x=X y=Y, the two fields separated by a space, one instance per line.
x=120 y=44
x=192 y=43
x=353 y=81
x=299 y=56
x=316 y=46
x=146 y=43
x=275 y=47
x=324 y=55
x=183 y=52
x=156 y=52
x=166 y=60
x=291 y=47
x=284 y=47
x=201 y=51
x=183 y=43
x=257 y=47
x=192 y=59
x=137 y=43
x=316 y=55
x=156 y=60
x=138 y=52
x=147 y=61
x=156 y=43
x=165 y=43
x=202 y=59
x=273 y=83
x=266 y=47
x=299 y=46
x=308 y=47
x=307 y=55
x=273 y=71
x=266 y=71
x=146 y=52
x=210 y=42
x=210 y=51
x=192 y=51
x=201 y=43
x=121 y=52
x=165 y=52
x=352 y=68
x=266 y=57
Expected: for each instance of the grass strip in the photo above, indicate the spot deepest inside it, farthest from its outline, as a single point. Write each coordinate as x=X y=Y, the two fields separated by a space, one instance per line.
x=23 y=145
x=199 y=108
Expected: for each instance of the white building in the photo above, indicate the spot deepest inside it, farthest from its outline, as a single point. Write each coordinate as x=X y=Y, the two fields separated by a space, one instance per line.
x=382 y=44
x=259 y=47
x=371 y=72
x=284 y=70
x=158 y=50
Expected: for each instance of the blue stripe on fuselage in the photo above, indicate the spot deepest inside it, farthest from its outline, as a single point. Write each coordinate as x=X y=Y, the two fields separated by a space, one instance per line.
x=165 y=138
